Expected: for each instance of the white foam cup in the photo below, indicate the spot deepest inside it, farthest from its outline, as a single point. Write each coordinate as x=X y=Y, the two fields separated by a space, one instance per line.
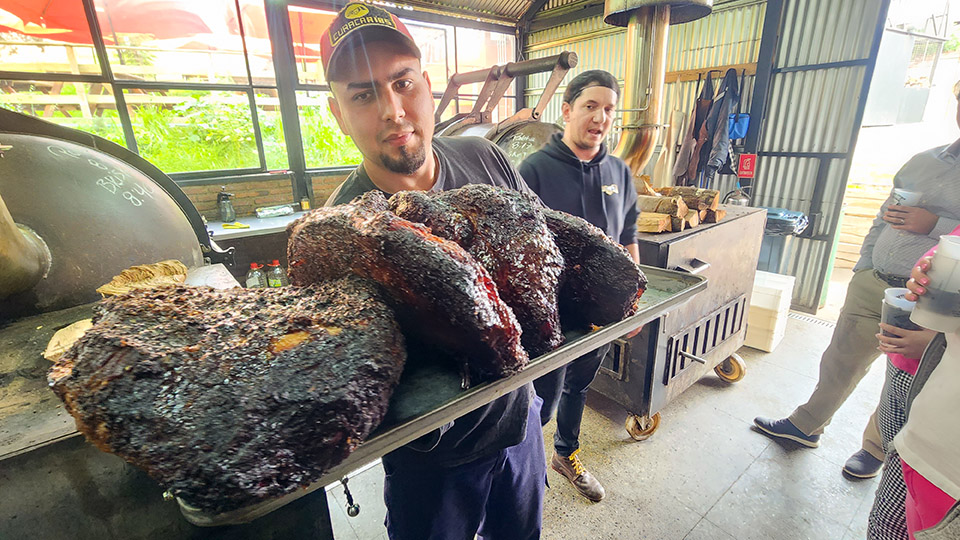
x=939 y=308
x=905 y=197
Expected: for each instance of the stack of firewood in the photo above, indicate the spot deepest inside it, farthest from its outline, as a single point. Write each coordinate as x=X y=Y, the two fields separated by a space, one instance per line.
x=673 y=209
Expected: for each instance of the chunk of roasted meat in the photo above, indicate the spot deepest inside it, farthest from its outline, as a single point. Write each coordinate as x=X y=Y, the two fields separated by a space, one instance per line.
x=441 y=294
x=505 y=231
x=231 y=397
x=601 y=284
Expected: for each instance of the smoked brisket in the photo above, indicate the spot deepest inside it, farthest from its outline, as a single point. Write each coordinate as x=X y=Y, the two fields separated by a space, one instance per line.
x=232 y=397
x=601 y=284
x=441 y=294
x=505 y=232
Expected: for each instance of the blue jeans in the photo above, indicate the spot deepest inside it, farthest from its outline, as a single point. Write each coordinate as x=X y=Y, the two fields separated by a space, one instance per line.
x=499 y=497
x=564 y=392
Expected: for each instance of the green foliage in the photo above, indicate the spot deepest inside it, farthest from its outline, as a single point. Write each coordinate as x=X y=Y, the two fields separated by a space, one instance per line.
x=137 y=56
x=952 y=44
x=201 y=133
x=323 y=143
x=212 y=131
x=107 y=126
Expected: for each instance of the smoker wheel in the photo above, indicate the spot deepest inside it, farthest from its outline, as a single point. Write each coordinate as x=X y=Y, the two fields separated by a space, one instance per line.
x=642 y=427
x=732 y=369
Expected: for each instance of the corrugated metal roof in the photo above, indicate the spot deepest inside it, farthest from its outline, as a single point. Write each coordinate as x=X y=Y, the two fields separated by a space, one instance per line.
x=821 y=31
x=805 y=114
x=504 y=11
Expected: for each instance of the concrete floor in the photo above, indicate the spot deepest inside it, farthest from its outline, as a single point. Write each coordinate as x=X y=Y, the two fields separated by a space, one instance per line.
x=705 y=474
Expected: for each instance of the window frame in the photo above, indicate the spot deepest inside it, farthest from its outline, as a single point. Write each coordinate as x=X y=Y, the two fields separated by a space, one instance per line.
x=283 y=62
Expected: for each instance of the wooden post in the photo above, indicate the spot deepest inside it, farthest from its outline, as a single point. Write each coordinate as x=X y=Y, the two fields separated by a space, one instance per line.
x=80 y=86
x=677 y=224
x=673 y=206
x=652 y=222
x=714 y=216
x=696 y=198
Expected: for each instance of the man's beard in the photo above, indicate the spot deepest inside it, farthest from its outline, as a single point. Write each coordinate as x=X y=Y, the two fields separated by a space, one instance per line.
x=409 y=161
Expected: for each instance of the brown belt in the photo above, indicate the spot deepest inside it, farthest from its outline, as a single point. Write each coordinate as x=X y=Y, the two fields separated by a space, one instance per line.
x=890 y=279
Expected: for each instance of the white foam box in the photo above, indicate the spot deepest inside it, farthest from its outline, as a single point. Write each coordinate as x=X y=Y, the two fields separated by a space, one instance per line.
x=763 y=341
x=765 y=328
x=769 y=306
x=772 y=291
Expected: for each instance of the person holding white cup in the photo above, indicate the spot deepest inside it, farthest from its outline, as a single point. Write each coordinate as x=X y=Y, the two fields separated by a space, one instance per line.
x=923 y=205
x=939 y=308
x=929 y=442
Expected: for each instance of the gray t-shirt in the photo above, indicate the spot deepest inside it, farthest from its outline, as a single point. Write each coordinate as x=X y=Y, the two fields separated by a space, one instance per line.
x=461 y=160
x=503 y=422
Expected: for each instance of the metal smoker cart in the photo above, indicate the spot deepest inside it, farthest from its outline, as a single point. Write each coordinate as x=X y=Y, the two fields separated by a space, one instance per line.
x=645 y=372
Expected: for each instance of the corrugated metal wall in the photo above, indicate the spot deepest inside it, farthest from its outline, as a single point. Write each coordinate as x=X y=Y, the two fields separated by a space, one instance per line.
x=822 y=57
x=810 y=126
x=731 y=35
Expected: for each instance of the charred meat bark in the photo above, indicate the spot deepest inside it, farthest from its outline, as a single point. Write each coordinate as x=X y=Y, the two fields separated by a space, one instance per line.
x=505 y=231
x=601 y=284
x=442 y=296
x=232 y=397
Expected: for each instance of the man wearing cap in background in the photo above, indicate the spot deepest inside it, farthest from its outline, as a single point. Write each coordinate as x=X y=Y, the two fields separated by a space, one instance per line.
x=483 y=474
x=574 y=173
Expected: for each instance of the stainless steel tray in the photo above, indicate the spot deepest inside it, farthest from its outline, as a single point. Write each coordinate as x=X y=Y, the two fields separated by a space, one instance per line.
x=429 y=396
x=31 y=416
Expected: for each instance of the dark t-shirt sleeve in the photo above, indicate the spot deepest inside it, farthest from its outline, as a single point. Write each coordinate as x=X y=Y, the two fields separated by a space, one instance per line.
x=476 y=154
x=336 y=197
x=528 y=171
x=630 y=212
x=354 y=186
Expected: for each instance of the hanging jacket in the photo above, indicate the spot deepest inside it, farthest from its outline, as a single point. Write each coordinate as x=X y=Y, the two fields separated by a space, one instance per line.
x=600 y=191
x=688 y=159
x=716 y=152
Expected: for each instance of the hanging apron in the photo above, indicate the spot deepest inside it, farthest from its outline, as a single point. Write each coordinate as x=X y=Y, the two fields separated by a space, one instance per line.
x=688 y=160
x=663 y=169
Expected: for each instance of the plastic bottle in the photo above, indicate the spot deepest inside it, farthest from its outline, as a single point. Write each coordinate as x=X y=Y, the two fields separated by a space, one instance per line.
x=225 y=206
x=256 y=278
x=276 y=276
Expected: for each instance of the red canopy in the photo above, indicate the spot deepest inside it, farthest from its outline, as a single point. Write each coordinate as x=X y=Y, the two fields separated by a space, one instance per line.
x=65 y=20
x=208 y=23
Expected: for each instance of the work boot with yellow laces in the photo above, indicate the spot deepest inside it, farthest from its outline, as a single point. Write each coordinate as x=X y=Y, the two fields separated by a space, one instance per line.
x=577 y=474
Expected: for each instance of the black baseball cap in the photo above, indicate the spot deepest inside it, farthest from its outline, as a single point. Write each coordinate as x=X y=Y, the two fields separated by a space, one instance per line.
x=358 y=23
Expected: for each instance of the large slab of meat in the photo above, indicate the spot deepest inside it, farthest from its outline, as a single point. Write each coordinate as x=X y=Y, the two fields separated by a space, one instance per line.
x=601 y=284
x=441 y=294
x=231 y=397
x=505 y=232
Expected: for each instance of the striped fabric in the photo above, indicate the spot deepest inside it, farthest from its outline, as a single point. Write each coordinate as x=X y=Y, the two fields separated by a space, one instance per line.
x=936 y=174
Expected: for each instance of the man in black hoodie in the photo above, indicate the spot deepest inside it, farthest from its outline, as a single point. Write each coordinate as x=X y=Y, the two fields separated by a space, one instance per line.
x=574 y=173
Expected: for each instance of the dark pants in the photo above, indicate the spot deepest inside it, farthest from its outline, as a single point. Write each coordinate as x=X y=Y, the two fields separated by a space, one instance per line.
x=564 y=392
x=498 y=498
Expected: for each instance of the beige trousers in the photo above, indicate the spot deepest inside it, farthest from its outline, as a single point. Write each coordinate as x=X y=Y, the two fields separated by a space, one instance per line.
x=852 y=350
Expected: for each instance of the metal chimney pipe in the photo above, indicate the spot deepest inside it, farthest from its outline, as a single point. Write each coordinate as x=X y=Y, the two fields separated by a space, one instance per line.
x=642 y=101
x=647 y=23
x=24 y=257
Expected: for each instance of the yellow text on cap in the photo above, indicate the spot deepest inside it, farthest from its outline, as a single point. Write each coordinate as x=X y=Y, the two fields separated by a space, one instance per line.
x=356 y=10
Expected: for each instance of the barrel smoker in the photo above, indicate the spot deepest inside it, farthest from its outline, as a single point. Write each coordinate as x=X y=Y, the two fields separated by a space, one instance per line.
x=524 y=132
